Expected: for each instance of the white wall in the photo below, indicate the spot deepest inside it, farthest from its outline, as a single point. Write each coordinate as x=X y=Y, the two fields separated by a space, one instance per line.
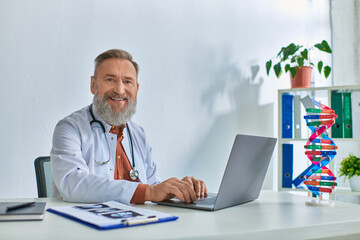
x=198 y=82
x=345 y=21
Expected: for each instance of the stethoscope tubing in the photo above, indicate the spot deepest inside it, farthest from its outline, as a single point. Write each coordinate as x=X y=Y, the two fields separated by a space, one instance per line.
x=103 y=128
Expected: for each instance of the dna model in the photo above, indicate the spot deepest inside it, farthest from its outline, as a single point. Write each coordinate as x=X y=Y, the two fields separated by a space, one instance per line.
x=320 y=150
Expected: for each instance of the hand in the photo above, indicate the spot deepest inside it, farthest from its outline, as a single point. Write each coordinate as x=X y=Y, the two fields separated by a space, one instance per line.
x=170 y=188
x=198 y=186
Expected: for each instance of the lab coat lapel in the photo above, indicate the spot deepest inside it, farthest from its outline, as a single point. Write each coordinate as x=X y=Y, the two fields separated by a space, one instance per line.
x=139 y=166
x=126 y=145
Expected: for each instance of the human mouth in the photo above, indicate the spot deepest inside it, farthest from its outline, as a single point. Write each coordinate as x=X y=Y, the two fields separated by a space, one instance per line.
x=118 y=99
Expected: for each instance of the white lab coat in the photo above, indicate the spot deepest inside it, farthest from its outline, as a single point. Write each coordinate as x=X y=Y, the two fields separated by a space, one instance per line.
x=77 y=177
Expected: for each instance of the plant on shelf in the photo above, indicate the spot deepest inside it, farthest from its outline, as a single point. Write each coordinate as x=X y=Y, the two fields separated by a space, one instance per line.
x=350 y=166
x=296 y=58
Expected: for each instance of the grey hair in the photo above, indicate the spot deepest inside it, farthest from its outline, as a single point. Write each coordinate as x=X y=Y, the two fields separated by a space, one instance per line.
x=115 y=53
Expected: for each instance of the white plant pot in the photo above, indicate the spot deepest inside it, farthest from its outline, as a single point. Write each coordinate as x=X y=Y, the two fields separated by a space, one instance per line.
x=355 y=183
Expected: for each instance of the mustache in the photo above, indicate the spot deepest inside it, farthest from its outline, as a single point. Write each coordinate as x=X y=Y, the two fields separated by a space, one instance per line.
x=104 y=110
x=114 y=95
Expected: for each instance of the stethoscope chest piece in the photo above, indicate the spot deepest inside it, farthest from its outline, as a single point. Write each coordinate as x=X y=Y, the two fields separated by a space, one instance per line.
x=134 y=174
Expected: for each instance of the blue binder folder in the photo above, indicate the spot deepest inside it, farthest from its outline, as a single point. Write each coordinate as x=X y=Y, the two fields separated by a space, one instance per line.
x=287 y=115
x=287 y=165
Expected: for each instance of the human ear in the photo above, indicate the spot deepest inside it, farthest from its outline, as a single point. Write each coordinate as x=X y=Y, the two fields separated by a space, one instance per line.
x=92 y=85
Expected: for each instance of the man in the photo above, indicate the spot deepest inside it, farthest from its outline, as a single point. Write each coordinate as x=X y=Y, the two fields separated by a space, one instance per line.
x=99 y=154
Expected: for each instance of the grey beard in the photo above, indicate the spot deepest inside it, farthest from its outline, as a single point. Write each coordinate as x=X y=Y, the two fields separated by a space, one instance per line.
x=104 y=110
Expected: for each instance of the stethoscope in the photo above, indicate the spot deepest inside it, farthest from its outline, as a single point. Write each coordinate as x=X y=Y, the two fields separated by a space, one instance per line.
x=134 y=174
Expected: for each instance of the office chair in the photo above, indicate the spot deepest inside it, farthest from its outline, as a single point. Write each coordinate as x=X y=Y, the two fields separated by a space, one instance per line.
x=43 y=176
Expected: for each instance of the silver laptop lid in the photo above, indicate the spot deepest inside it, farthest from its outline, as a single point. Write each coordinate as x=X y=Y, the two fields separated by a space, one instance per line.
x=245 y=171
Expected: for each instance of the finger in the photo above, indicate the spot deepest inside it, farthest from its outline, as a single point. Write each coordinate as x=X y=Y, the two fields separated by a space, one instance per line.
x=188 y=191
x=172 y=190
x=197 y=186
x=204 y=191
x=178 y=194
x=188 y=180
x=180 y=189
x=192 y=193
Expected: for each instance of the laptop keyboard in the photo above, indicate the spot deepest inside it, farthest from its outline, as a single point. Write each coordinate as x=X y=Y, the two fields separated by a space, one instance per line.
x=209 y=200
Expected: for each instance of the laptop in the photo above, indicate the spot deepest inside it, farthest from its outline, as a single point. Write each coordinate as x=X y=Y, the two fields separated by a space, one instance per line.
x=243 y=177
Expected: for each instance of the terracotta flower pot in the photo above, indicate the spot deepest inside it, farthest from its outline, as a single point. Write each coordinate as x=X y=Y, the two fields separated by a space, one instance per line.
x=302 y=78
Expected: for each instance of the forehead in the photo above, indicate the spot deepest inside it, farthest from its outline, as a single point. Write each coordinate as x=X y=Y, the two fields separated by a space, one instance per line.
x=116 y=66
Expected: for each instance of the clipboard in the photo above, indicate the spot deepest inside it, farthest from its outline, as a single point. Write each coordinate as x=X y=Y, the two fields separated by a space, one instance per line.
x=111 y=215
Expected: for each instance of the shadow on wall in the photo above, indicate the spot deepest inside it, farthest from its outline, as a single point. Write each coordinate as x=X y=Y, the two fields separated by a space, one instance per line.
x=232 y=101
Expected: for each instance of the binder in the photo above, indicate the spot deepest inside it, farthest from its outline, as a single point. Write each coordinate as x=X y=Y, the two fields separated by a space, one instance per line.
x=347 y=115
x=287 y=165
x=337 y=106
x=297 y=117
x=355 y=109
x=307 y=102
x=287 y=116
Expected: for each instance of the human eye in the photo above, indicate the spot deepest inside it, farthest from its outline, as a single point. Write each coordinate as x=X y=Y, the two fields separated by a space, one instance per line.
x=128 y=81
x=109 y=79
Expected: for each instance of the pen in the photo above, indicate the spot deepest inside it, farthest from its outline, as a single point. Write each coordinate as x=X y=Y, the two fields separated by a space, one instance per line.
x=140 y=220
x=17 y=206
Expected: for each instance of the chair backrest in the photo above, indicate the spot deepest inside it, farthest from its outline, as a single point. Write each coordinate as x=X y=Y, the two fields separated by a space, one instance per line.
x=43 y=176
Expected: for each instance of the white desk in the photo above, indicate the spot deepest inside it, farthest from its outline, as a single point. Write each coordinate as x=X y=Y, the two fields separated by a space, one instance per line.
x=275 y=215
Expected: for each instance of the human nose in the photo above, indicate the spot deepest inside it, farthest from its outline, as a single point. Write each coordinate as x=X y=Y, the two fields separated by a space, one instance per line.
x=119 y=88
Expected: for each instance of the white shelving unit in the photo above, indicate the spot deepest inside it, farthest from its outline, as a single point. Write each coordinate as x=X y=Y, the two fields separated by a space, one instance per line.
x=300 y=161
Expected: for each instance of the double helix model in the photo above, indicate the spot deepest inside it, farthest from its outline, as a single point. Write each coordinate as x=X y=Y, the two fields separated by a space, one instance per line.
x=320 y=149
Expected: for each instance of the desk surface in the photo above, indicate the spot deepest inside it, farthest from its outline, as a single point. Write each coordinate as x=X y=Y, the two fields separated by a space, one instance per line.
x=275 y=215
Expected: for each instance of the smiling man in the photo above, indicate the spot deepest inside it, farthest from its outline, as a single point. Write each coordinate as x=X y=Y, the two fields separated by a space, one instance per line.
x=99 y=154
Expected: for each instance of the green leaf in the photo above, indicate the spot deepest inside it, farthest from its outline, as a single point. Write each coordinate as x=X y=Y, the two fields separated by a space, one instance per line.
x=281 y=51
x=319 y=46
x=290 y=50
x=319 y=66
x=327 y=47
x=285 y=54
x=268 y=66
x=323 y=46
x=293 y=71
x=277 y=70
x=327 y=71
x=287 y=67
x=304 y=54
x=293 y=59
x=300 y=62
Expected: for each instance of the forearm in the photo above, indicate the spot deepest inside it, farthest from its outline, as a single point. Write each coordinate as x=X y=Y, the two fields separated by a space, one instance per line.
x=76 y=184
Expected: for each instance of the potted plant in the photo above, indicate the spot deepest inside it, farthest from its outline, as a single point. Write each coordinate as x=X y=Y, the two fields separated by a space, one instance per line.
x=350 y=168
x=296 y=59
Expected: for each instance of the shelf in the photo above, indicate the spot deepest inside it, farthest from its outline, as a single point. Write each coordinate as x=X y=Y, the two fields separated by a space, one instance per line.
x=345 y=191
x=305 y=139
x=337 y=191
x=346 y=145
x=349 y=87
